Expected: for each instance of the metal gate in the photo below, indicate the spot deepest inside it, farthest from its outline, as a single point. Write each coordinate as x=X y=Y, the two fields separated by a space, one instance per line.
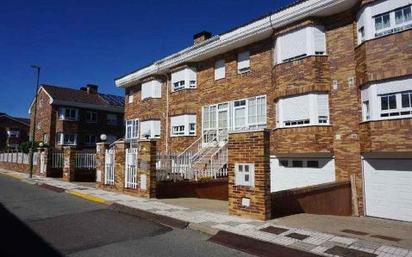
x=131 y=168
x=109 y=167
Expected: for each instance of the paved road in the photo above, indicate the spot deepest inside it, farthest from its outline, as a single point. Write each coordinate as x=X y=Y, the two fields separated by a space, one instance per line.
x=35 y=221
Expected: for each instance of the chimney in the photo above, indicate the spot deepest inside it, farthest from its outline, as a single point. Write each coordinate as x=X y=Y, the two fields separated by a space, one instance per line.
x=91 y=89
x=83 y=89
x=201 y=36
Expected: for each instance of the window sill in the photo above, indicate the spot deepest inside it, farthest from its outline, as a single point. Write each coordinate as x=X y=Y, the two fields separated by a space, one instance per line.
x=304 y=126
x=146 y=99
x=386 y=119
x=183 y=89
x=182 y=135
x=243 y=72
x=379 y=37
x=302 y=58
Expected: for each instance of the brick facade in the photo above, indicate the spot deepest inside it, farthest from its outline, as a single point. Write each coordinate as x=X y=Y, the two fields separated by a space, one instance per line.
x=341 y=73
x=49 y=124
x=8 y=123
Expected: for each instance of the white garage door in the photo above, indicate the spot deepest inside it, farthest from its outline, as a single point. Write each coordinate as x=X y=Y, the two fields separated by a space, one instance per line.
x=388 y=188
x=288 y=173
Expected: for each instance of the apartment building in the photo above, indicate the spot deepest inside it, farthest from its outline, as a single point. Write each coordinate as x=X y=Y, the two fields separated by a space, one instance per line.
x=77 y=118
x=329 y=80
x=13 y=131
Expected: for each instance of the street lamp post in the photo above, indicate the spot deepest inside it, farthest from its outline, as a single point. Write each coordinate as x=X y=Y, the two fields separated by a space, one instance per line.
x=33 y=129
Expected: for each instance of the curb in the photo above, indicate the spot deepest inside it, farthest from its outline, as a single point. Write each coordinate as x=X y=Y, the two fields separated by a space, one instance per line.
x=204 y=229
x=13 y=176
x=164 y=220
x=87 y=197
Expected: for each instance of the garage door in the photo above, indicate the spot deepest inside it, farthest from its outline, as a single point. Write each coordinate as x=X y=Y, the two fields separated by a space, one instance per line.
x=288 y=173
x=388 y=188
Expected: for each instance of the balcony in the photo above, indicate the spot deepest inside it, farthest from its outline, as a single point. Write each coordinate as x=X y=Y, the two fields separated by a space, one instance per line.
x=386 y=136
x=384 y=58
x=309 y=74
x=302 y=140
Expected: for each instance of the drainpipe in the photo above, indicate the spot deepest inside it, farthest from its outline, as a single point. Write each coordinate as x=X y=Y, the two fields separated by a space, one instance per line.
x=167 y=113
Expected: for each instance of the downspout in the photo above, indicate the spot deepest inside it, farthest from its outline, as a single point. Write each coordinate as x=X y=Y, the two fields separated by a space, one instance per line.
x=167 y=112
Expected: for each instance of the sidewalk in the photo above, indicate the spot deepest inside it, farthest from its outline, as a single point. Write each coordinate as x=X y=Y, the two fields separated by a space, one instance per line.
x=212 y=222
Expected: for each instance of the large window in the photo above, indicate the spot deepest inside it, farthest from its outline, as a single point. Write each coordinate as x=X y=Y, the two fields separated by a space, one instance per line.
x=387 y=100
x=381 y=18
x=183 y=125
x=240 y=114
x=303 y=42
x=151 y=89
x=301 y=110
x=184 y=79
x=150 y=129
x=66 y=113
x=66 y=139
x=132 y=129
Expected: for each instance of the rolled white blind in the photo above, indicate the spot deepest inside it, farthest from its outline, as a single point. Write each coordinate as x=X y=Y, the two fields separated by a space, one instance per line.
x=323 y=105
x=220 y=69
x=320 y=39
x=157 y=89
x=296 y=108
x=178 y=76
x=292 y=44
x=243 y=60
x=146 y=90
x=145 y=128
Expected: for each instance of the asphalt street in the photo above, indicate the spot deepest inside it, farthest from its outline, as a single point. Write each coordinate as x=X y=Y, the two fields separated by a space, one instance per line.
x=36 y=221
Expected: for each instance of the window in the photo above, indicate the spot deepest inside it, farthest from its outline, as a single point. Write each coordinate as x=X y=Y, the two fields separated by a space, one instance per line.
x=403 y=15
x=284 y=163
x=13 y=133
x=310 y=40
x=240 y=114
x=361 y=34
x=66 y=139
x=132 y=129
x=366 y=110
x=312 y=164
x=184 y=79
x=66 y=113
x=183 y=125
x=111 y=119
x=243 y=62
x=90 y=140
x=296 y=163
x=245 y=174
x=192 y=128
x=150 y=129
x=130 y=98
x=301 y=110
x=382 y=21
x=91 y=117
x=387 y=100
x=220 y=69
x=151 y=89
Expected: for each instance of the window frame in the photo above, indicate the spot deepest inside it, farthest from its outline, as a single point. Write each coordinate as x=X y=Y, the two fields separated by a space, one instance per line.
x=133 y=125
x=61 y=138
x=220 y=65
x=89 y=142
x=89 y=117
x=182 y=128
x=62 y=113
x=247 y=68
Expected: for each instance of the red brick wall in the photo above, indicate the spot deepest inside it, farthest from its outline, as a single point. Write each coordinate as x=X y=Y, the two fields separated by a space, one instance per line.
x=250 y=147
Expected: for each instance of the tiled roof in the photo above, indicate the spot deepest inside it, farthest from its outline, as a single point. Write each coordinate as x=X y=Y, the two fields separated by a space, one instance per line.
x=80 y=96
x=21 y=120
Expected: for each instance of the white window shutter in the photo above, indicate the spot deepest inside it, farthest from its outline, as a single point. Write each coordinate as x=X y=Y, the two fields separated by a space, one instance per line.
x=320 y=39
x=146 y=90
x=156 y=127
x=145 y=128
x=292 y=44
x=323 y=105
x=157 y=89
x=243 y=61
x=296 y=108
x=220 y=69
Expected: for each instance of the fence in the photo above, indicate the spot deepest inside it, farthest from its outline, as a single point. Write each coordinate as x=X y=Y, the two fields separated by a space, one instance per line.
x=57 y=160
x=18 y=157
x=109 y=167
x=85 y=160
x=131 y=168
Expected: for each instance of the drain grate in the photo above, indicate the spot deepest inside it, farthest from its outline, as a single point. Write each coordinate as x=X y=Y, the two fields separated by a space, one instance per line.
x=274 y=230
x=297 y=236
x=346 y=252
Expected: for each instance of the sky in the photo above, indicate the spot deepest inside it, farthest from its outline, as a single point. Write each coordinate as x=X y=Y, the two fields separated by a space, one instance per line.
x=93 y=42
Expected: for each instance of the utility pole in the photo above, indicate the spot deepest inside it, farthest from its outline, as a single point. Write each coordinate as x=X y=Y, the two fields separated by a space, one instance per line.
x=33 y=129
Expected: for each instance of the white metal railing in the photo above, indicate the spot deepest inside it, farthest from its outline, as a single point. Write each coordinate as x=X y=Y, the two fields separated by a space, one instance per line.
x=17 y=157
x=218 y=162
x=85 y=160
x=57 y=160
x=109 y=164
x=131 y=168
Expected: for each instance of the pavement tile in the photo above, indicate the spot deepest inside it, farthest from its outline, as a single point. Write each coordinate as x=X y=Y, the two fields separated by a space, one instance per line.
x=303 y=246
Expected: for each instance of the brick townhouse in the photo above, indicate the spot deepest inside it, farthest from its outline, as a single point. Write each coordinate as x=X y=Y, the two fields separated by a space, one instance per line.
x=70 y=117
x=323 y=88
x=13 y=131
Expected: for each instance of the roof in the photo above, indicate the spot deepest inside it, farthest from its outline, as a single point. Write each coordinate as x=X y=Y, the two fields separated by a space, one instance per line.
x=24 y=121
x=82 y=97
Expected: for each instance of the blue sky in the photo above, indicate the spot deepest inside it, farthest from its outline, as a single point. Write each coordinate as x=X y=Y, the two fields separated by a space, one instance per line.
x=79 y=42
